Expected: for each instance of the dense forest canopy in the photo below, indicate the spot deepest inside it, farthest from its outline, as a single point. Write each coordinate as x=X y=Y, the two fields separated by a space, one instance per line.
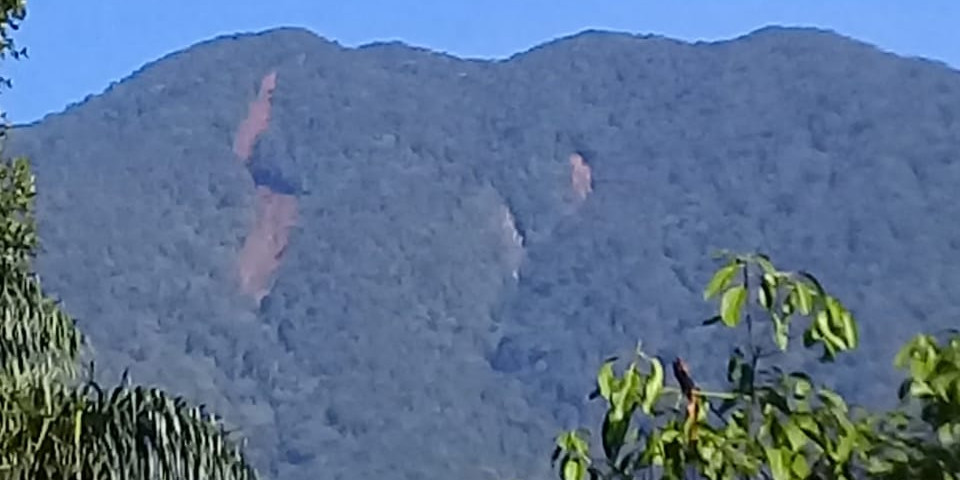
x=448 y=247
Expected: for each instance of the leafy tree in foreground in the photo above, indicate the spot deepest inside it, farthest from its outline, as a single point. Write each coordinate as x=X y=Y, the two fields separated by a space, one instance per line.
x=51 y=424
x=769 y=423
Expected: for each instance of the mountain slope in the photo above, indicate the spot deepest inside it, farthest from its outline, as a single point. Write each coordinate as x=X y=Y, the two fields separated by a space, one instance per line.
x=470 y=238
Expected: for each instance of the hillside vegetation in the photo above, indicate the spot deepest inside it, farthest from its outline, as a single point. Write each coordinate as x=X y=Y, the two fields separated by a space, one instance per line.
x=471 y=237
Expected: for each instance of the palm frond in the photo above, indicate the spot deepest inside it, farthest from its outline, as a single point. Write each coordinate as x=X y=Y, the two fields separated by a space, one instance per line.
x=37 y=339
x=50 y=428
x=52 y=432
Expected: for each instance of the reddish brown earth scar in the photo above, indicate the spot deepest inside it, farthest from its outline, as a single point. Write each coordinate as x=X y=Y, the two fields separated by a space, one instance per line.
x=263 y=248
x=257 y=120
x=275 y=214
x=581 y=177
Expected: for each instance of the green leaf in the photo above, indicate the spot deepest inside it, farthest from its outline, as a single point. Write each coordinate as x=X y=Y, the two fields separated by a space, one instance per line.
x=903 y=357
x=946 y=434
x=624 y=397
x=765 y=264
x=849 y=329
x=775 y=459
x=794 y=434
x=920 y=389
x=613 y=433
x=841 y=323
x=808 y=425
x=574 y=469
x=803 y=298
x=731 y=305
x=831 y=341
x=720 y=280
x=816 y=283
x=801 y=384
x=653 y=386
x=800 y=467
x=570 y=441
x=832 y=400
x=781 y=332
x=670 y=435
x=945 y=383
x=606 y=380
x=767 y=292
x=845 y=446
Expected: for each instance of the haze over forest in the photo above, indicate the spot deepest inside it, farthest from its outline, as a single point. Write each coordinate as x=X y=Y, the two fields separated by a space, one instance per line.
x=389 y=262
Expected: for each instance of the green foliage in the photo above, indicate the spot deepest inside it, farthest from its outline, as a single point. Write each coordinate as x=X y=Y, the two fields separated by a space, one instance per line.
x=392 y=322
x=55 y=432
x=768 y=423
x=12 y=12
x=50 y=428
x=40 y=340
x=928 y=446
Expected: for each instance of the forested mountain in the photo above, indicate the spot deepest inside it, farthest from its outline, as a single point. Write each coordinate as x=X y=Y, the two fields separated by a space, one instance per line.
x=386 y=262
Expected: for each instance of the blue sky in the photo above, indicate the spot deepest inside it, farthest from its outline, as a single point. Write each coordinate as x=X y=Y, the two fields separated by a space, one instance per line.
x=78 y=47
